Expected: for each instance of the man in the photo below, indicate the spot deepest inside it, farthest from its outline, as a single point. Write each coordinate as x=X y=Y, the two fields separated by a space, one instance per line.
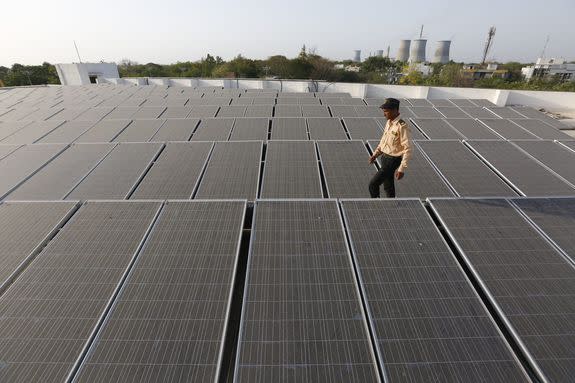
x=395 y=149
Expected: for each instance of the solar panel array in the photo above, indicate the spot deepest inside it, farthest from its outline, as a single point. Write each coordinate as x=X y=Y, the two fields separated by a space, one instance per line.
x=156 y=233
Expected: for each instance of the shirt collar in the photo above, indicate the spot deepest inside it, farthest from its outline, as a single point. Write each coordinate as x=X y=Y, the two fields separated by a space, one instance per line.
x=394 y=121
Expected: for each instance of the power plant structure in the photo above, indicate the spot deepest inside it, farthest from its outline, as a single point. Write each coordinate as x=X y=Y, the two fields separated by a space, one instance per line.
x=357 y=56
x=442 y=52
x=417 y=51
x=403 y=51
x=379 y=53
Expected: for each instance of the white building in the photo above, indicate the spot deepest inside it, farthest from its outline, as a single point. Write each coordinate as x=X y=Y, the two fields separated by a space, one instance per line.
x=85 y=73
x=545 y=68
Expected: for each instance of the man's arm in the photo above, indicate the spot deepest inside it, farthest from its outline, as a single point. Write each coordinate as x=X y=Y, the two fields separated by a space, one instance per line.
x=406 y=144
x=376 y=154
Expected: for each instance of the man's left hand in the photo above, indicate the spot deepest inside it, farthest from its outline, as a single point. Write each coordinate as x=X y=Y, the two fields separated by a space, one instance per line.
x=398 y=175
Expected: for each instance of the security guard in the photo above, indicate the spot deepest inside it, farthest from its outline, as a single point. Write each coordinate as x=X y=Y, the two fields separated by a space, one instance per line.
x=394 y=148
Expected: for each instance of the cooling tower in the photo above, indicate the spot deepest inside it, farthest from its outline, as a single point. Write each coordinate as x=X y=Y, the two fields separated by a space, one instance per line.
x=379 y=53
x=357 y=56
x=442 y=52
x=417 y=53
x=403 y=52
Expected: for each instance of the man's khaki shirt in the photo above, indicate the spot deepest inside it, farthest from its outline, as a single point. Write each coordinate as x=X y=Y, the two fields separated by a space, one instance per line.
x=396 y=141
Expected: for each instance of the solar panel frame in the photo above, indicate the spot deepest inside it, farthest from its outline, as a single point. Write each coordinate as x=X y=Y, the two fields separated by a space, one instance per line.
x=462 y=180
x=32 y=132
x=289 y=128
x=288 y=111
x=504 y=112
x=452 y=112
x=10 y=127
x=156 y=234
x=362 y=128
x=315 y=111
x=250 y=129
x=232 y=111
x=513 y=169
x=478 y=112
x=140 y=130
x=46 y=315
x=419 y=102
x=115 y=177
x=259 y=111
x=343 y=111
x=285 y=163
x=179 y=129
x=67 y=132
x=213 y=129
x=511 y=229
x=472 y=129
x=63 y=173
x=437 y=129
x=541 y=129
x=425 y=112
x=250 y=271
x=410 y=276
x=203 y=111
x=441 y=102
x=165 y=180
x=507 y=129
x=103 y=131
x=225 y=165
x=176 y=112
x=326 y=128
x=6 y=150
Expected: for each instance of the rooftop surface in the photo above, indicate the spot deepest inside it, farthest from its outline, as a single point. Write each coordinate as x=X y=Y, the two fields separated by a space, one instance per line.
x=156 y=233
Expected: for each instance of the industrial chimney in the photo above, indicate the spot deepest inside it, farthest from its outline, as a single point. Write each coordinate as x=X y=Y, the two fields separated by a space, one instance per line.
x=403 y=51
x=417 y=53
x=379 y=53
x=442 y=52
x=357 y=56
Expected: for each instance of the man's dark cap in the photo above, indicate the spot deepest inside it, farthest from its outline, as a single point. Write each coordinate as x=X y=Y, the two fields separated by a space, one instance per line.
x=390 y=103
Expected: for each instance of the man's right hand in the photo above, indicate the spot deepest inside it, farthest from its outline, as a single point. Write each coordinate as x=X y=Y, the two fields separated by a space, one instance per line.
x=372 y=159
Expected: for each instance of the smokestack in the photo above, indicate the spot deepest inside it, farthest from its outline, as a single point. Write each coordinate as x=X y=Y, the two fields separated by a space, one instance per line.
x=379 y=53
x=403 y=51
x=442 y=52
x=417 y=53
x=357 y=56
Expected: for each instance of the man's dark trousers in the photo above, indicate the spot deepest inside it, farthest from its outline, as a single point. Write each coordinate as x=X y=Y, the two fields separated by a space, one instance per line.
x=385 y=176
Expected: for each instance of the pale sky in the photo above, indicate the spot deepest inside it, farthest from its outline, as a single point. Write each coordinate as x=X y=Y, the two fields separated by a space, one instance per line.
x=168 y=31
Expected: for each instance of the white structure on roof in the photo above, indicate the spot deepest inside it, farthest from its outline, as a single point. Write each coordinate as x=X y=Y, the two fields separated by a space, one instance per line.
x=85 y=73
x=551 y=67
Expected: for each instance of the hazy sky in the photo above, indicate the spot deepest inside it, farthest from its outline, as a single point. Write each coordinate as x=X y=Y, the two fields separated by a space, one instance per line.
x=166 y=31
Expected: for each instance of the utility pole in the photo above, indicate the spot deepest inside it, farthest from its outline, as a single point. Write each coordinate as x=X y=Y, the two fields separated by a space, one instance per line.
x=488 y=44
x=421 y=32
x=544 y=47
x=77 y=52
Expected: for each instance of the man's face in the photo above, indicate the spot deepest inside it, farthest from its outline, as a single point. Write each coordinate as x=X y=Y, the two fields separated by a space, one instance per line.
x=390 y=114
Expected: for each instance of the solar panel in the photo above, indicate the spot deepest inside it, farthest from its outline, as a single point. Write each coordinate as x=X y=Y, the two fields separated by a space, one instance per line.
x=203 y=111
x=289 y=129
x=287 y=111
x=555 y=217
x=508 y=130
x=10 y=127
x=368 y=111
x=419 y=102
x=67 y=132
x=505 y=112
x=302 y=318
x=31 y=133
x=466 y=173
x=122 y=112
x=472 y=129
x=375 y=101
x=50 y=311
x=213 y=129
x=421 y=179
x=244 y=100
x=62 y=174
x=452 y=112
x=437 y=129
x=259 y=111
x=462 y=102
x=345 y=168
x=94 y=114
x=23 y=163
x=176 y=112
x=69 y=113
x=146 y=112
x=233 y=171
x=169 y=321
x=6 y=150
x=291 y=170
x=541 y=129
x=425 y=112
x=343 y=111
x=42 y=113
x=24 y=230
x=482 y=102
x=104 y=131
x=176 y=172
x=552 y=155
x=441 y=102
x=118 y=173
x=429 y=324
x=176 y=130
x=270 y=101
x=478 y=112
x=314 y=111
x=324 y=128
x=140 y=131
x=529 y=283
x=232 y=111
x=250 y=129
x=526 y=174
x=362 y=128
